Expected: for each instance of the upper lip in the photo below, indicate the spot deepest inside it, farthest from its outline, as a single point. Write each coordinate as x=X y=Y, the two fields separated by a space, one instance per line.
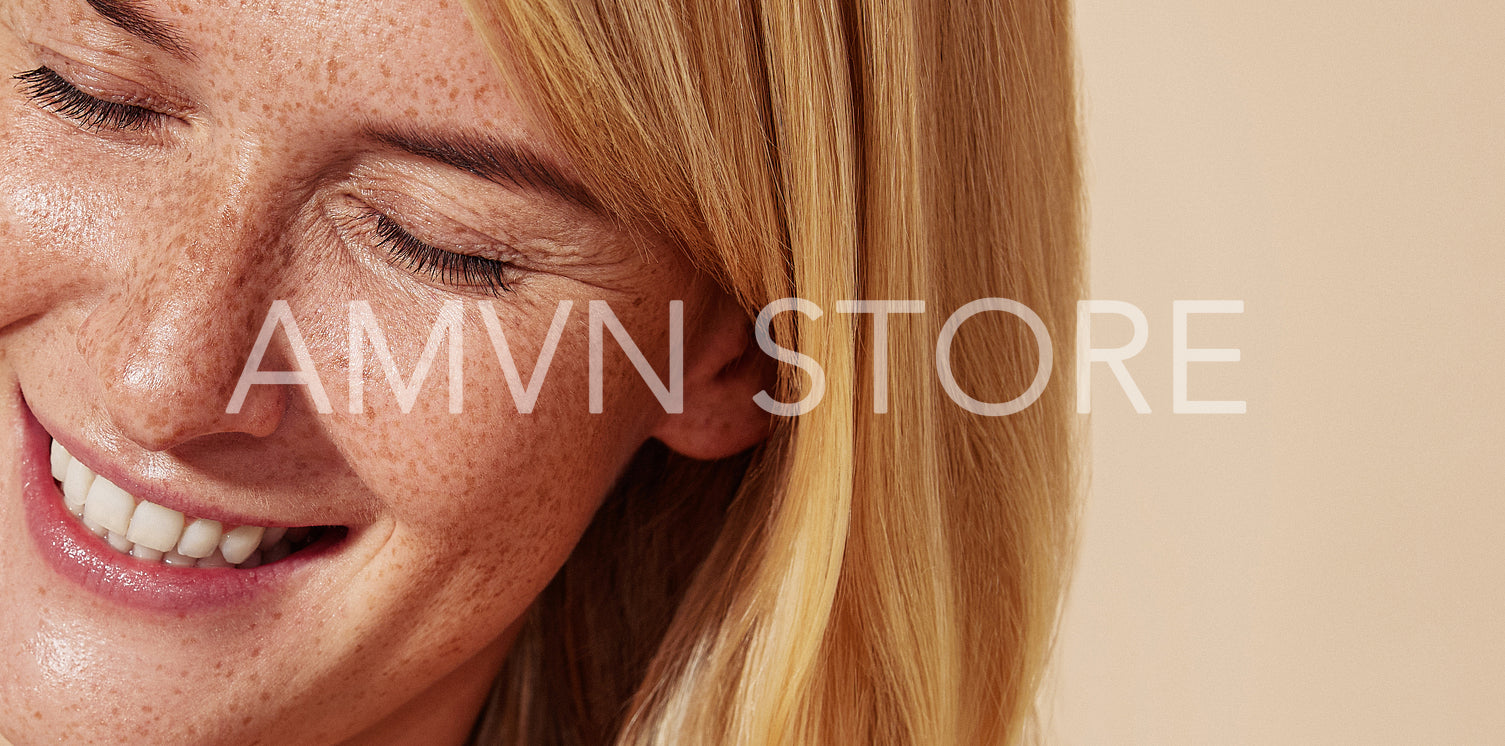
x=156 y=492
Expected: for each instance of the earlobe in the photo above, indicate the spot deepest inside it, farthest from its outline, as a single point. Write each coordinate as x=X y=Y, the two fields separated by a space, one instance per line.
x=723 y=372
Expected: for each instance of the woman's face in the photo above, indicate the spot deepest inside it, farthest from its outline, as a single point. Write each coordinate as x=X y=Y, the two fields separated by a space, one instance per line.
x=168 y=170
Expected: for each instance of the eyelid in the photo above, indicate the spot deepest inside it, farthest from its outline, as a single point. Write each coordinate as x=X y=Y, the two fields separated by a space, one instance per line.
x=95 y=81
x=51 y=92
x=374 y=230
x=418 y=215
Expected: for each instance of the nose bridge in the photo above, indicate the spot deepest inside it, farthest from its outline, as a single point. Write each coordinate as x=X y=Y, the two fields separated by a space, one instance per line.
x=170 y=339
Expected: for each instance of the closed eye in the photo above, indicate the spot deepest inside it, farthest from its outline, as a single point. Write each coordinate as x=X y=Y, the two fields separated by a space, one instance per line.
x=464 y=271
x=52 y=92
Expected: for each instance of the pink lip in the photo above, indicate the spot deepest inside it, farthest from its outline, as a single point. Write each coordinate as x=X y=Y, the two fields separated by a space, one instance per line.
x=142 y=490
x=83 y=558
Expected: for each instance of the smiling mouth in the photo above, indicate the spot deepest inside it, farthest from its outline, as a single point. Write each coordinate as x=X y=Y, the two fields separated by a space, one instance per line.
x=156 y=534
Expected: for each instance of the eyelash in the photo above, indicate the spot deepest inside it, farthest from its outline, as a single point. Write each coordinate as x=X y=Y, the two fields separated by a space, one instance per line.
x=53 y=93
x=414 y=255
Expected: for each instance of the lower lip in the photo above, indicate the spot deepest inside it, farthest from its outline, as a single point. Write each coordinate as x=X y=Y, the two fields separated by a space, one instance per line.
x=81 y=557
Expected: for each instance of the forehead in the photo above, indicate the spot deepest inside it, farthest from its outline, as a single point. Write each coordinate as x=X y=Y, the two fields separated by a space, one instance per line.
x=418 y=61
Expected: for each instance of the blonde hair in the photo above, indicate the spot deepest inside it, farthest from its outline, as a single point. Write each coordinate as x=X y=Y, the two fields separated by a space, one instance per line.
x=859 y=578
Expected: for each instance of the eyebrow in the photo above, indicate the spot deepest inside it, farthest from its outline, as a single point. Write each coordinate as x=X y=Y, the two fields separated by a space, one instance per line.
x=495 y=160
x=132 y=17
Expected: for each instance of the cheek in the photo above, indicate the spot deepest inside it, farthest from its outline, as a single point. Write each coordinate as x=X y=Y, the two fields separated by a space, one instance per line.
x=488 y=502
x=45 y=224
x=72 y=217
x=524 y=444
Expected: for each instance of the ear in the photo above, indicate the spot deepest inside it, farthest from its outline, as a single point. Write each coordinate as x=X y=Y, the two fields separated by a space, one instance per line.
x=724 y=370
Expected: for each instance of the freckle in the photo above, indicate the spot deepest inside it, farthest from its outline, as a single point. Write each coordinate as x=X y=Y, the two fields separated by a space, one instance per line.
x=246 y=720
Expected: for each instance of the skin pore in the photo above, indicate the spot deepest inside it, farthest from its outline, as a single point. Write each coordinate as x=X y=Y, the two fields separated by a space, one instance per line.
x=319 y=153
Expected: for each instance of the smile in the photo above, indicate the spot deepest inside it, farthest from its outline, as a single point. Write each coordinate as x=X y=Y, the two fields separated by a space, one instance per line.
x=145 y=554
x=153 y=533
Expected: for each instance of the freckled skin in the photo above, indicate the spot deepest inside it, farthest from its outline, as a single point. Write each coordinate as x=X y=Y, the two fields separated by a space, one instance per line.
x=137 y=270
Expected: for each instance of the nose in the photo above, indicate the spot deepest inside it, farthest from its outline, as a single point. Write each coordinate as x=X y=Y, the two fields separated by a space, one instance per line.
x=169 y=341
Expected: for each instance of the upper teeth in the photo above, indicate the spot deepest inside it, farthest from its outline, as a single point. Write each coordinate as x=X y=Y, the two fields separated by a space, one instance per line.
x=152 y=532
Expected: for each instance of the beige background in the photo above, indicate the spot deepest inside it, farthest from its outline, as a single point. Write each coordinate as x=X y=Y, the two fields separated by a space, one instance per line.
x=1326 y=569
